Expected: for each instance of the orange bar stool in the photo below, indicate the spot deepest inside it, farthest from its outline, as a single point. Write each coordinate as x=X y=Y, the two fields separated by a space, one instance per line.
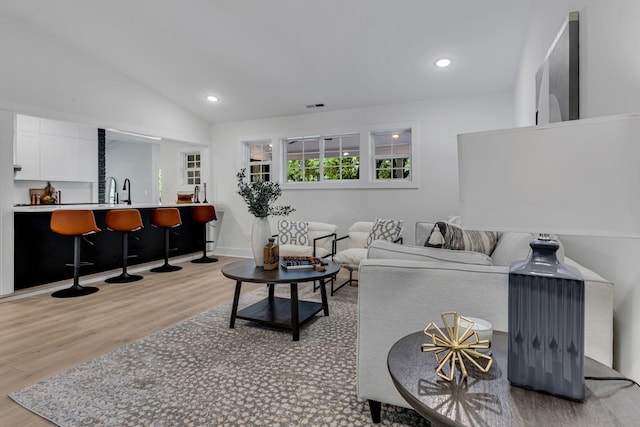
x=204 y=214
x=76 y=223
x=125 y=221
x=166 y=218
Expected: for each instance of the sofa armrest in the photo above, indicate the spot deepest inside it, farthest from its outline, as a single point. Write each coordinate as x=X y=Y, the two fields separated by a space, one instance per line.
x=399 y=297
x=598 y=314
x=333 y=245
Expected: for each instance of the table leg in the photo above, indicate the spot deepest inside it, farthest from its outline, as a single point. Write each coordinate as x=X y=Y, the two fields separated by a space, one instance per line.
x=295 y=321
x=323 y=293
x=271 y=290
x=234 y=308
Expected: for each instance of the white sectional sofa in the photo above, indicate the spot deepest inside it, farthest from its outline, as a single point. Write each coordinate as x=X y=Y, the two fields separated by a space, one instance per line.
x=403 y=288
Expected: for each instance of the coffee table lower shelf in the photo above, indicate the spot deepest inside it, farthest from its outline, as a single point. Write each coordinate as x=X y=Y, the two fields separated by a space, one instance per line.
x=277 y=312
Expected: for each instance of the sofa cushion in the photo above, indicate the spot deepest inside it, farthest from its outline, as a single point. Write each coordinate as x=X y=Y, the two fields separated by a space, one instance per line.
x=302 y=250
x=293 y=232
x=350 y=258
x=511 y=247
x=514 y=246
x=385 y=229
x=387 y=250
x=448 y=236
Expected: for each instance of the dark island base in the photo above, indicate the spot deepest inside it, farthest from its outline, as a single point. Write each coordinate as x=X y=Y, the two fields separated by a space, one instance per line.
x=41 y=255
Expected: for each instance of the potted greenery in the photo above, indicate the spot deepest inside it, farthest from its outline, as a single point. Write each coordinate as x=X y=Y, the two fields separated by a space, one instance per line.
x=260 y=196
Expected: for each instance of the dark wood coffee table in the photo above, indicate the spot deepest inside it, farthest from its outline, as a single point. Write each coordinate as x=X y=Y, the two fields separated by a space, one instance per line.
x=275 y=311
x=489 y=399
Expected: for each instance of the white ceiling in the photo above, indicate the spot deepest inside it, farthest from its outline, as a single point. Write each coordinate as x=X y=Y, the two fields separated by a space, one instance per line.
x=272 y=58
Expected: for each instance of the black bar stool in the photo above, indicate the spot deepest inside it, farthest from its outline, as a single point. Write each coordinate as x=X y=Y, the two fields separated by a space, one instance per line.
x=125 y=221
x=76 y=223
x=166 y=218
x=203 y=214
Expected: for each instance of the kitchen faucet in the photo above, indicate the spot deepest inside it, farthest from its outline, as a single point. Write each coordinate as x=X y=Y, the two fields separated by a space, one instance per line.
x=196 y=192
x=127 y=186
x=112 y=190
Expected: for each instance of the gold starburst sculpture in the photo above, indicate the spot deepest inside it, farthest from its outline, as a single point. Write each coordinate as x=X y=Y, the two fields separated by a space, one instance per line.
x=456 y=345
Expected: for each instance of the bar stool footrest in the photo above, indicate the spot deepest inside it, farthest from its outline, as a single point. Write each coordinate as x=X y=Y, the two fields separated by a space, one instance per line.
x=82 y=264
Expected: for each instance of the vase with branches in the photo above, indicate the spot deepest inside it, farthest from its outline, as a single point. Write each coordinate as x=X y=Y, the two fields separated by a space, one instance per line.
x=260 y=197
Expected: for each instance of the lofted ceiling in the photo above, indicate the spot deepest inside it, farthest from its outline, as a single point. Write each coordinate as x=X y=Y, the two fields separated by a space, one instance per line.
x=273 y=58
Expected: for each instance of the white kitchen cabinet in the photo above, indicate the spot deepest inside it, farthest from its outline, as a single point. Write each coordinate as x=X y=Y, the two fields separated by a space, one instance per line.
x=28 y=123
x=59 y=158
x=58 y=128
x=27 y=155
x=89 y=160
x=51 y=150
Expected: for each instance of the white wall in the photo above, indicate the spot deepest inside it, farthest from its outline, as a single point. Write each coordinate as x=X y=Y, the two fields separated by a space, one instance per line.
x=45 y=78
x=609 y=84
x=7 y=123
x=137 y=161
x=173 y=180
x=72 y=192
x=439 y=121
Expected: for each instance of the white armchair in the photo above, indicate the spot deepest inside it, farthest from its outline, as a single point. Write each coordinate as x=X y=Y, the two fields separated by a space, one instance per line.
x=359 y=236
x=298 y=238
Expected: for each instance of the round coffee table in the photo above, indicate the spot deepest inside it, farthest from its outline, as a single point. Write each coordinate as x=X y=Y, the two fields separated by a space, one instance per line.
x=276 y=311
x=489 y=399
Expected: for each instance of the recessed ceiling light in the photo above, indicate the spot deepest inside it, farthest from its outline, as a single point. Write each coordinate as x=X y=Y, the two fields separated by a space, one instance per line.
x=442 y=63
x=346 y=153
x=212 y=98
x=395 y=136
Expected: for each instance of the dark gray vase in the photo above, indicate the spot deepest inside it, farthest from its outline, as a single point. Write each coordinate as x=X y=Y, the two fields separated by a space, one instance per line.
x=546 y=324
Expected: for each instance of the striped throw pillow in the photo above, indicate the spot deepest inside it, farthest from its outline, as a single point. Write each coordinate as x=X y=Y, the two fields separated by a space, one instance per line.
x=448 y=236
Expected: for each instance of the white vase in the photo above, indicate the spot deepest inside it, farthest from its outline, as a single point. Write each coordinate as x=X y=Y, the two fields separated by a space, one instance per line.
x=260 y=233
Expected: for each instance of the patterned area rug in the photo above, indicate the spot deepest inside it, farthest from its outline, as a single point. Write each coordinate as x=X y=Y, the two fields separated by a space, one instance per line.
x=199 y=372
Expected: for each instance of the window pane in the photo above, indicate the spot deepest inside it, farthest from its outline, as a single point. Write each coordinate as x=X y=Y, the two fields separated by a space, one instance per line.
x=294 y=172
x=259 y=158
x=392 y=153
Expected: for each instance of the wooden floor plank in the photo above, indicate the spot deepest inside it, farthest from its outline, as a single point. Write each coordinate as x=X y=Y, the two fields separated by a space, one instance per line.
x=41 y=335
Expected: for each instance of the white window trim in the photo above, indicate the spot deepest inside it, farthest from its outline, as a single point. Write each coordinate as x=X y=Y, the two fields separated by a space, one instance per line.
x=184 y=169
x=373 y=157
x=246 y=144
x=367 y=180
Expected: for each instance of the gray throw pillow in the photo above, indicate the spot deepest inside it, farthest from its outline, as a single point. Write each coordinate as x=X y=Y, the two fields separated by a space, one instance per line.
x=448 y=236
x=385 y=229
x=293 y=232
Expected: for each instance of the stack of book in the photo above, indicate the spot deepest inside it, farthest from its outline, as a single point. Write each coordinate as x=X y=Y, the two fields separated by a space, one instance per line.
x=297 y=263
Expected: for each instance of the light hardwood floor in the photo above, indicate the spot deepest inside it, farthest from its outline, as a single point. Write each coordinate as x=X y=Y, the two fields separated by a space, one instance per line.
x=41 y=335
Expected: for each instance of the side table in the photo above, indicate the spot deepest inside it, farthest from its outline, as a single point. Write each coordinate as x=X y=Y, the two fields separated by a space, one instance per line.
x=489 y=399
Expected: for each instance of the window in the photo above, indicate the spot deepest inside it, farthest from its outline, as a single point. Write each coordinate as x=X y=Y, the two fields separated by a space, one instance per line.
x=317 y=158
x=192 y=168
x=392 y=154
x=260 y=159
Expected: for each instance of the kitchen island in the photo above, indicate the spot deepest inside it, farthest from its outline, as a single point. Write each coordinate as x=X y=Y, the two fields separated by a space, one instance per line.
x=41 y=254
